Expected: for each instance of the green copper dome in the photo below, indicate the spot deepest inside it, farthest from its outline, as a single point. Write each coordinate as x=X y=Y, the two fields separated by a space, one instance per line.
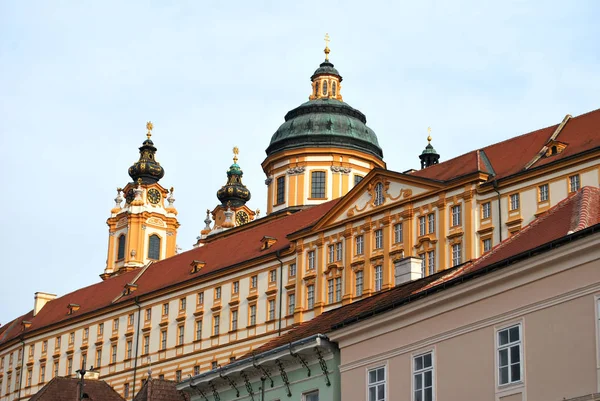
x=323 y=123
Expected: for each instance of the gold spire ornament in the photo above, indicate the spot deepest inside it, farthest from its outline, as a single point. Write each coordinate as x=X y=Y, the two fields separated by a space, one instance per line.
x=429 y=134
x=149 y=127
x=326 y=47
x=236 y=152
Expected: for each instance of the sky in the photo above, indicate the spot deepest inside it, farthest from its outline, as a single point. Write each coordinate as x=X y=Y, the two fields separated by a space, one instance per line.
x=80 y=79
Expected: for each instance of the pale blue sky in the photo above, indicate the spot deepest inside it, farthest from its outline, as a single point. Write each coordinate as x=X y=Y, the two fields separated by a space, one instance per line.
x=79 y=80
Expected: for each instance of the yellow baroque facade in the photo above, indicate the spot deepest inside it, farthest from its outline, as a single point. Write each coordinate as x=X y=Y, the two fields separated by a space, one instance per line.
x=337 y=225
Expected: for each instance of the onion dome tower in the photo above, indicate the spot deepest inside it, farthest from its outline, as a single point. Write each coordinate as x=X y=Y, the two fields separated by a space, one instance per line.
x=429 y=156
x=233 y=196
x=323 y=148
x=144 y=229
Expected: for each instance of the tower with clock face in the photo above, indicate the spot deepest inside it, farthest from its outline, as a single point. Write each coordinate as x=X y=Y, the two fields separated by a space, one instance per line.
x=232 y=211
x=143 y=224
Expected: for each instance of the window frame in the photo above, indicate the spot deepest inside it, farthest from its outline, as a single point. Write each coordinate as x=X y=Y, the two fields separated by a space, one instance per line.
x=379 y=238
x=310 y=296
x=577 y=178
x=459 y=260
x=508 y=346
x=377 y=382
x=121 y=245
x=422 y=225
x=311 y=260
x=280 y=190
x=486 y=210
x=379 y=197
x=431 y=223
x=314 y=182
x=359 y=283
x=292 y=270
x=514 y=202
x=421 y=372
x=431 y=262
x=154 y=246
x=398 y=233
x=378 y=278
x=359 y=244
x=291 y=306
x=544 y=192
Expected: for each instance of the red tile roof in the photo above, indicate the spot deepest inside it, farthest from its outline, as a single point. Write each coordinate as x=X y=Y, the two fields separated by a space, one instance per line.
x=579 y=211
x=160 y=390
x=581 y=133
x=67 y=389
x=227 y=249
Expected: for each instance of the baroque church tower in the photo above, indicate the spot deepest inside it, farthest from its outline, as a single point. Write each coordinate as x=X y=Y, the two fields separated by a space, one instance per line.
x=144 y=228
x=322 y=150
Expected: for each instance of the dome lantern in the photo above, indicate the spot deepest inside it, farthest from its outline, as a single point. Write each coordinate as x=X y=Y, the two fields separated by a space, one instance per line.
x=147 y=168
x=234 y=192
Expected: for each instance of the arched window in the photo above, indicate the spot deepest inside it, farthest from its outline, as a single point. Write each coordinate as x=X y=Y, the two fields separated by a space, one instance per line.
x=333 y=88
x=317 y=88
x=121 y=247
x=154 y=247
x=324 y=87
x=379 y=194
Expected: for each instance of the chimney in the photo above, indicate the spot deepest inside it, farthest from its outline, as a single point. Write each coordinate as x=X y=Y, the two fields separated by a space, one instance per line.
x=408 y=269
x=40 y=299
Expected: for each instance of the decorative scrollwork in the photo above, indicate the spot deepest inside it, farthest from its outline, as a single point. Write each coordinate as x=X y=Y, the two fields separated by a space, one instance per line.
x=231 y=383
x=214 y=391
x=323 y=366
x=299 y=358
x=341 y=169
x=199 y=391
x=248 y=385
x=264 y=371
x=284 y=377
x=296 y=170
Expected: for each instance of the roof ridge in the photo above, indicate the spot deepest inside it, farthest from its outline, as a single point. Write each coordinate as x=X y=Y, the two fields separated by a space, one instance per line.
x=581 y=215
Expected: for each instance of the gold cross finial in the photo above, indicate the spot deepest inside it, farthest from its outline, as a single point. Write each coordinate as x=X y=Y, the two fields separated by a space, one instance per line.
x=326 y=46
x=236 y=152
x=149 y=127
x=428 y=134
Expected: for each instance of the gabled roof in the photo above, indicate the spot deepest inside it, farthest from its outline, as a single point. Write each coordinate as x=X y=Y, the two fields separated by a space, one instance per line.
x=581 y=134
x=67 y=389
x=160 y=390
x=227 y=249
x=579 y=212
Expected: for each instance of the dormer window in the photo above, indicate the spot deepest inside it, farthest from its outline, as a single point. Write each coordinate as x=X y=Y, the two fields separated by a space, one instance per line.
x=72 y=308
x=129 y=288
x=196 y=266
x=267 y=242
x=554 y=148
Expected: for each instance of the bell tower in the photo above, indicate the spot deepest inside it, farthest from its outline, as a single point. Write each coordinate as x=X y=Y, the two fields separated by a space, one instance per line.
x=144 y=227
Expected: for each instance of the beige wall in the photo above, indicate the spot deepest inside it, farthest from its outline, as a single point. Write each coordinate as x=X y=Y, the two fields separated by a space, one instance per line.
x=554 y=303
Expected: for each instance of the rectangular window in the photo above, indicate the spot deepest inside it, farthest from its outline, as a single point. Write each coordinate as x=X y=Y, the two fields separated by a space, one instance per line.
x=378 y=277
x=431 y=223
x=330 y=290
x=456 y=254
x=128 y=349
x=214 y=365
x=148 y=314
x=196 y=370
x=43 y=373
x=273 y=276
x=31 y=350
x=431 y=261
x=56 y=343
x=165 y=309
x=98 y=359
x=113 y=354
x=292 y=271
x=198 y=329
x=574 y=183
x=398 y=233
x=311 y=260
x=544 y=192
x=180 y=334
x=71 y=338
x=331 y=253
x=486 y=210
x=357 y=179
x=252 y=315
x=338 y=289
x=514 y=202
x=376 y=384
x=236 y=287
x=84 y=359
x=216 y=324
x=55 y=368
x=182 y=304
x=234 y=320
x=456 y=220
x=312 y=396
x=44 y=346
x=422 y=225
x=69 y=366
x=146 y=344
x=178 y=376
x=218 y=293
x=378 y=239
x=291 y=303
x=200 y=298
x=360 y=241
x=281 y=189
x=253 y=281
x=509 y=355
x=310 y=296
x=423 y=377
x=126 y=390
x=29 y=377
x=271 y=309
x=317 y=184
x=339 y=250
x=163 y=340
x=423 y=264
x=359 y=283
x=487 y=244
x=115 y=324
